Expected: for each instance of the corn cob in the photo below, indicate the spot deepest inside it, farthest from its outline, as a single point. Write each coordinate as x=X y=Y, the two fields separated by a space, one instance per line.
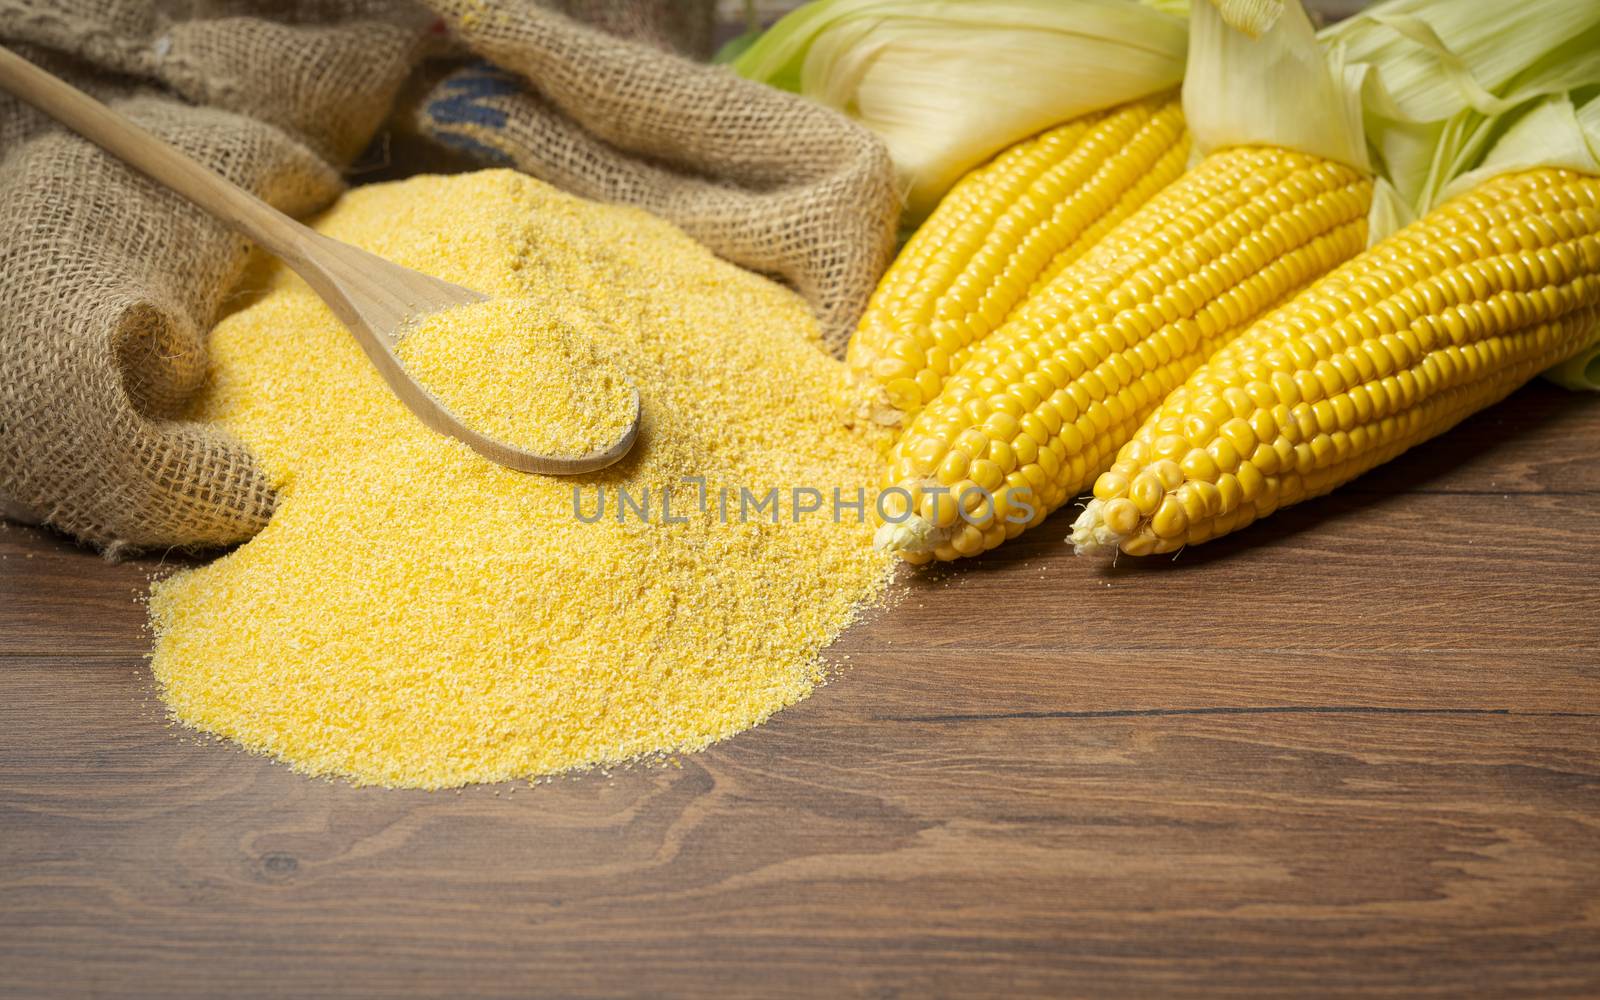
x=1043 y=403
x=1033 y=209
x=1443 y=318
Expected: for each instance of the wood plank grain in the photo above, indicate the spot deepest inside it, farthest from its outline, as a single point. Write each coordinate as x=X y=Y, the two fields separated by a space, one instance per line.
x=1263 y=852
x=1352 y=751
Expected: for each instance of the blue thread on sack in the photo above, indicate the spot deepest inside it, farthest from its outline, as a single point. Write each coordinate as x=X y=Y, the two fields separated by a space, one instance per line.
x=460 y=105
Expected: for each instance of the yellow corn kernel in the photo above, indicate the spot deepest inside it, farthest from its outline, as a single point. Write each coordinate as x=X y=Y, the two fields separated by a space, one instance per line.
x=1083 y=361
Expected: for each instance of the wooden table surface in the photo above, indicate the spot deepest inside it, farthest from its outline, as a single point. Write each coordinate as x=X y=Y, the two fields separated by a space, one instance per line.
x=1353 y=751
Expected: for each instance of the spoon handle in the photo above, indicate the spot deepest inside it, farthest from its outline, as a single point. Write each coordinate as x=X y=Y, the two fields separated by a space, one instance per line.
x=374 y=299
x=163 y=162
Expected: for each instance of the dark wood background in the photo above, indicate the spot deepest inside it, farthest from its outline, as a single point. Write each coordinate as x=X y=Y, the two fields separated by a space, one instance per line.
x=1352 y=751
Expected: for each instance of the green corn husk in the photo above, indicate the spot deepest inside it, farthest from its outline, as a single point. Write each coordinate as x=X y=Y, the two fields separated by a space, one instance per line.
x=948 y=84
x=1452 y=96
x=1415 y=91
x=1440 y=80
x=1259 y=76
x=1436 y=95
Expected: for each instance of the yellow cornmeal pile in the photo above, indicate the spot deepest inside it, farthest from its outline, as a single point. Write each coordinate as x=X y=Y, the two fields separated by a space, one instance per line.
x=417 y=616
x=509 y=368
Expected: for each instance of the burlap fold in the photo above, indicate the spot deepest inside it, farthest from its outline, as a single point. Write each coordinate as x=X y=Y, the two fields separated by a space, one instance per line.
x=765 y=179
x=108 y=284
x=687 y=27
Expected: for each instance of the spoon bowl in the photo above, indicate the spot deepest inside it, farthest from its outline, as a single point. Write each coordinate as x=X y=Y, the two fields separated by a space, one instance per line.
x=376 y=300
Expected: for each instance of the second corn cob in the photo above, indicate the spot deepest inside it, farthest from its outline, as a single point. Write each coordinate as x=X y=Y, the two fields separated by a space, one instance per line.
x=1043 y=403
x=1445 y=317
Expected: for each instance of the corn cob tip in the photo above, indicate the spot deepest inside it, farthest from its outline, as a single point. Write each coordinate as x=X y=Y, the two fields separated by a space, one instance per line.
x=913 y=539
x=1151 y=512
x=863 y=403
x=1090 y=534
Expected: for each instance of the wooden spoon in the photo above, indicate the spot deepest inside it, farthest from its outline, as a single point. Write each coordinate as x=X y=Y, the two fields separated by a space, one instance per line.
x=376 y=300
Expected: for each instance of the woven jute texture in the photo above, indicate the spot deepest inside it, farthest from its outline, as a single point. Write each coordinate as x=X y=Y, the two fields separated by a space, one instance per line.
x=108 y=284
x=687 y=27
x=765 y=179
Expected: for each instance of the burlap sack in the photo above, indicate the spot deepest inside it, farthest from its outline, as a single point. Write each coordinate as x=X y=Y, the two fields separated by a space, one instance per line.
x=108 y=284
x=763 y=178
x=687 y=27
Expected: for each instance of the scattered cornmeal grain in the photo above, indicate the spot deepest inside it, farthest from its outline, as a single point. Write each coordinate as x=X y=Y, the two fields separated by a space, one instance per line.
x=509 y=368
x=417 y=616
